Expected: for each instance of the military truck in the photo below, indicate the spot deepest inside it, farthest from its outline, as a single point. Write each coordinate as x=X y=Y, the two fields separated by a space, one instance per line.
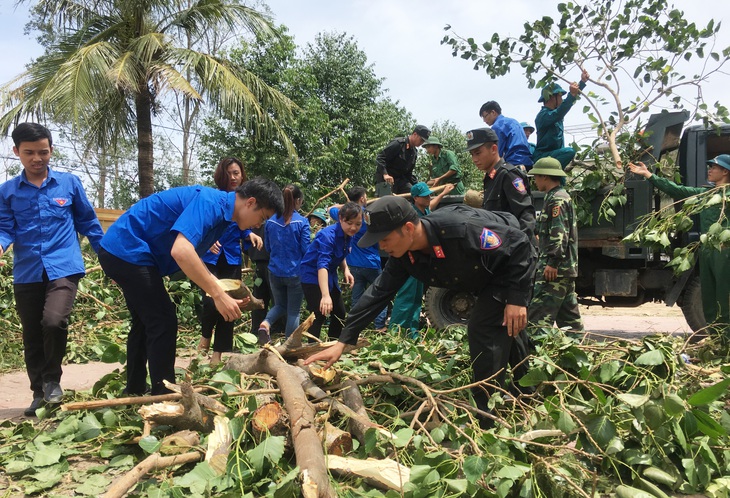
x=611 y=271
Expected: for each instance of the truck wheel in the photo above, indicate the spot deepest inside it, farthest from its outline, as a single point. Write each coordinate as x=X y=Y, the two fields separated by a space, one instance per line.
x=445 y=307
x=692 y=304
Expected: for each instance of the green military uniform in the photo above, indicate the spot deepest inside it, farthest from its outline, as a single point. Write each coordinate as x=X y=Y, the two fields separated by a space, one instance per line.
x=556 y=301
x=442 y=164
x=714 y=264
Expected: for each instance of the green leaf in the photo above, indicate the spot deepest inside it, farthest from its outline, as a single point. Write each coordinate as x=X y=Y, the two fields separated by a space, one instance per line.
x=709 y=394
x=634 y=456
x=474 y=468
x=89 y=428
x=633 y=400
x=271 y=448
x=403 y=436
x=48 y=455
x=438 y=434
x=457 y=485
x=198 y=478
x=533 y=378
x=17 y=466
x=602 y=430
x=150 y=444
x=654 y=357
x=419 y=473
x=673 y=405
x=512 y=472
x=94 y=485
x=708 y=426
x=566 y=422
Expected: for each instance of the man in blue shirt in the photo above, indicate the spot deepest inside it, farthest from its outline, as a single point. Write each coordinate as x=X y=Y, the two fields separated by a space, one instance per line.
x=549 y=121
x=513 y=146
x=41 y=211
x=164 y=233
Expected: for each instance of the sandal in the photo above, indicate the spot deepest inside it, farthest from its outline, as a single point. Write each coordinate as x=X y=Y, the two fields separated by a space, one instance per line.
x=264 y=336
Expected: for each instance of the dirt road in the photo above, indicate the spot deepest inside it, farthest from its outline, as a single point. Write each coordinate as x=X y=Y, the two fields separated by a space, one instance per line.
x=623 y=322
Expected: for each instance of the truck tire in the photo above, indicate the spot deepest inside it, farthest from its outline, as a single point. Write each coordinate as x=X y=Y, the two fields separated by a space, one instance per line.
x=692 y=304
x=445 y=307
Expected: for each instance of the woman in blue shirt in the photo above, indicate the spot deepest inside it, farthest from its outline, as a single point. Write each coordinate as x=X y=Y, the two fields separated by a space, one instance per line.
x=224 y=261
x=319 y=269
x=287 y=239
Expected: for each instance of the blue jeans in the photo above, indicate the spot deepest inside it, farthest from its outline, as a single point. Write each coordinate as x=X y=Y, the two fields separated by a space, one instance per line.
x=288 y=296
x=363 y=278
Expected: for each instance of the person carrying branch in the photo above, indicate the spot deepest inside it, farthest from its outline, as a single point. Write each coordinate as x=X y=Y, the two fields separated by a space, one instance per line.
x=456 y=247
x=714 y=265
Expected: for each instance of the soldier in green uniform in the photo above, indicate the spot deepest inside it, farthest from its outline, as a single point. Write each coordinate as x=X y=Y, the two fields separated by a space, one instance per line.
x=554 y=299
x=714 y=264
x=444 y=166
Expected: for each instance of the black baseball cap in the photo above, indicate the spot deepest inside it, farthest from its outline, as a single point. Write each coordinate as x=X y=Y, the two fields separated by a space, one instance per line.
x=480 y=136
x=385 y=215
x=422 y=131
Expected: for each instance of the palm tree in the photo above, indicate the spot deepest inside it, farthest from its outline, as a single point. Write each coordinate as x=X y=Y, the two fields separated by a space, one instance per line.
x=109 y=64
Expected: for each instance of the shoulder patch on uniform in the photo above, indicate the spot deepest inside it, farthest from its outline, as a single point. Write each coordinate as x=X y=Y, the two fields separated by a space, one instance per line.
x=556 y=211
x=489 y=240
x=519 y=184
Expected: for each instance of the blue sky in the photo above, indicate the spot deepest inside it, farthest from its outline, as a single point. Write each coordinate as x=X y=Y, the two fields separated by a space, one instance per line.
x=402 y=40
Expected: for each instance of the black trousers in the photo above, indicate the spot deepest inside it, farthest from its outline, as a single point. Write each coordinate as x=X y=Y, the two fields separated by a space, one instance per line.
x=44 y=308
x=210 y=318
x=337 y=318
x=491 y=349
x=153 y=332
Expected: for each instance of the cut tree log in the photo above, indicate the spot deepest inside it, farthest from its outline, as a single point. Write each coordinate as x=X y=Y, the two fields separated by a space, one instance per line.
x=219 y=445
x=336 y=441
x=184 y=415
x=384 y=474
x=239 y=290
x=269 y=419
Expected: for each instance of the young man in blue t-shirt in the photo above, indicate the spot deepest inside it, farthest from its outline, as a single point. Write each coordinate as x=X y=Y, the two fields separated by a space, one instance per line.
x=164 y=233
x=41 y=211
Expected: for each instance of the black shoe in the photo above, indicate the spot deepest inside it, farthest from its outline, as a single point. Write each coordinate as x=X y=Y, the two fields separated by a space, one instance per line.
x=37 y=403
x=135 y=392
x=52 y=392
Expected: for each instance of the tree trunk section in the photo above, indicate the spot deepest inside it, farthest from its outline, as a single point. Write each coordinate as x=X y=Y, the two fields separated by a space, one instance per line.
x=336 y=441
x=352 y=398
x=145 y=157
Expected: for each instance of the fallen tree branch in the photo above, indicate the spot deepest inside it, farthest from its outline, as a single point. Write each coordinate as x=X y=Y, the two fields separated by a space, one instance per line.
x=131 y=400
x=154 y=462
x=339 y=188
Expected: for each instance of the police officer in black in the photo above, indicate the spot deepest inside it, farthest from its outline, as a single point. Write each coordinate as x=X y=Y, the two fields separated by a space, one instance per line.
x=396 y=161
x=456 y=247
x=506 y=187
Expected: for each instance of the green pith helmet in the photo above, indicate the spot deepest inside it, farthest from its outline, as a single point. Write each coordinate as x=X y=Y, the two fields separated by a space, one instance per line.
x=320 y=213
x=548 y=166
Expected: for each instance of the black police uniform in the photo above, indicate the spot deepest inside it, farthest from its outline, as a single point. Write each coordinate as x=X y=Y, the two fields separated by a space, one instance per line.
x=397 y=159
x=474 y=250
x=507 y=188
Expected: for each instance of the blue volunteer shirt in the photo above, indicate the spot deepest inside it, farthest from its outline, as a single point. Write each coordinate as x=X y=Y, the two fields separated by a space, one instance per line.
x=367 y=257
x=513 y=146
x=42 y=222
x=230 y=243
x=144 y=235
x=286 y=244
x=328 y=249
